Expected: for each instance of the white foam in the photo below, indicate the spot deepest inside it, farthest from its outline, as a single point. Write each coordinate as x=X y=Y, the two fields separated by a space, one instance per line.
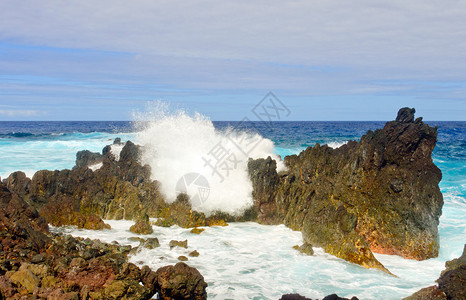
x=115 y=149
x=176 y=144
x=336 y=145
x=95 y=166
x=253 y=261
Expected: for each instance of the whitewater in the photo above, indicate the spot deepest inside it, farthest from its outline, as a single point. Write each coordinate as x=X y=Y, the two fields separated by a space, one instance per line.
x=245 y=260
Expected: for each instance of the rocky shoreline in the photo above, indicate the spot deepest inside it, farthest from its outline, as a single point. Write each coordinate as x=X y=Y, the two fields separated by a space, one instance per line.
x=377 y=195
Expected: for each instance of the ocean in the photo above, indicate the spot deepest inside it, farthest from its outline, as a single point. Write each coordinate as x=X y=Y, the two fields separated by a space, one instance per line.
x=246 y=260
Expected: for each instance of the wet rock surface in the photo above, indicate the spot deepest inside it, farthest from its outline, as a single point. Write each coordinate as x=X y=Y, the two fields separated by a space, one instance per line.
x=180 y=282
x=379 y=195
x=142 y=226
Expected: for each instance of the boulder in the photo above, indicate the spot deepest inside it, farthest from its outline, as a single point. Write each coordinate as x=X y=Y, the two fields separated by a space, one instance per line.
x=181 y=244
x=142 y=226
x=428 y=293
x=151 y=243
x=87 y=158
x=306 y=249
x=197 y=230
x=26 y=279
x=18 y=183
x=180 y=282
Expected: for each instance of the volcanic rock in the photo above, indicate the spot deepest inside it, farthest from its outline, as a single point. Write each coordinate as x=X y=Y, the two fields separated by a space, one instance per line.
x=181 y=244
x=142 y=226
x=87 y=158
x=380 y=194
x=180 y=282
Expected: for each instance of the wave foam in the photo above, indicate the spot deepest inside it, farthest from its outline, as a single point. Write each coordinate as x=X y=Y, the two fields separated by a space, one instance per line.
x=176 y=144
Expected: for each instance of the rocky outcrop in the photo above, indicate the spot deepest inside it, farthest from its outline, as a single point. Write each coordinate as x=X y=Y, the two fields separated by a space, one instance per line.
x=451 y=283
x=35 y=264
x=118 y=190
x=87 y=158
x=180 y=282
x=379 y=195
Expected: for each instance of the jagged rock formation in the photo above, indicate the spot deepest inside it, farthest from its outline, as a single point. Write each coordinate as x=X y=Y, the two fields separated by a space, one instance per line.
x=451 y=283
x=380 y=194
x=118 y=190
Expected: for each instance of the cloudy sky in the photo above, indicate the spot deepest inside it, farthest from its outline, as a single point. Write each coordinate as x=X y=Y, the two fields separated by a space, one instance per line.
x=325 y=60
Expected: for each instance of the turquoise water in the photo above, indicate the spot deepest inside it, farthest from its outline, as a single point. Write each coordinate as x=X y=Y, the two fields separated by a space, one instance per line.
x=245 y=261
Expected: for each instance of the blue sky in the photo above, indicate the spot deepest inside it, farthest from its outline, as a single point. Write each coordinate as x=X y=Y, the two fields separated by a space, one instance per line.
x=325 y=60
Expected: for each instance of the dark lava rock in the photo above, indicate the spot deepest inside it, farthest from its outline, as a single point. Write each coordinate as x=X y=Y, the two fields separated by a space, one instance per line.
x=294 y=297
x=142 y=226
x=181 y=244
x=151 y=243
x=87 y=158
x=18 y=183
x=265 y=181
x=428 y=293
x=452 y=281
x=21 y=226
x=377 y=195
x=406 y=115
x=336 y=297
x=180 y=282
x=306 y=249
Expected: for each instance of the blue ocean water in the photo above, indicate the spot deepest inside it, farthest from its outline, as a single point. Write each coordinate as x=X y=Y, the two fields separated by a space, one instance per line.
x=32 y=146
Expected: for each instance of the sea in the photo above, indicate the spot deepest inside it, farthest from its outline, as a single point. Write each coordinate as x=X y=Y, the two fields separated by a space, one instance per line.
x=244 y=260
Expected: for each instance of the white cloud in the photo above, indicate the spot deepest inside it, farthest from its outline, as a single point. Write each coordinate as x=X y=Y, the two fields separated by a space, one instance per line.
x=19 y=112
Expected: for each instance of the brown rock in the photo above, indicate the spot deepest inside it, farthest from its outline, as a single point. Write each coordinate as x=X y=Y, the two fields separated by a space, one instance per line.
x=306 y=249
x=197 y=230
x=180 y=282
x=26 y=279
x=428 y=293
x=181 y=244
x=141 y=227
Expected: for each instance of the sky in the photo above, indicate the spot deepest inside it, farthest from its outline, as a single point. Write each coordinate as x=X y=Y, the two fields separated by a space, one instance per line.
x=324 y=60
